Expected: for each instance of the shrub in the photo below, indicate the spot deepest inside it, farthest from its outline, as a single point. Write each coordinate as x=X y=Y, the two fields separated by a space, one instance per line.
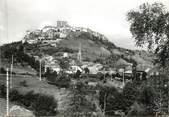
x=62 y=80
x=2 y=70
x=40 y=104
x=100 y=76
x=44 y=105
x=29 y=98
x=14 y=96
x=2 y=90
x=50 y=75
x=77 y=74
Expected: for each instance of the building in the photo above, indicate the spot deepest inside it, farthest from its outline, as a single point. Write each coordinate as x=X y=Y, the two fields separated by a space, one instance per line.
x=61 y=24
x=62 y=35
x=81 y=29
x=74 y=69
x=65 y=55
x=154 y=71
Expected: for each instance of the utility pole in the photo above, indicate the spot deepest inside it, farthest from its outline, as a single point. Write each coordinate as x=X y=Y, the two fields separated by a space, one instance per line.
x=40 y=64
x=7 y=76
x=123 y=76
x=11 y=73
x=40 y=70
x=7 y=93
x=160 y=97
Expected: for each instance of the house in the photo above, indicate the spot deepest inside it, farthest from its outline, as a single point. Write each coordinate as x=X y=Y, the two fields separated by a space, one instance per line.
x=62 y=24
x=74 y=69
x=65 y=55
x=143 y=67
x=49 y=58
x=95 y=68
x=154 y=71
x=90 y=83
x=53 y=67
x=57 y=69
x=32 y=41
x=62 y=35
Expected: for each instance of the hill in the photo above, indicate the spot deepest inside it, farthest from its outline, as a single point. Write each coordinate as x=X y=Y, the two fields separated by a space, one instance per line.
x=94 y=47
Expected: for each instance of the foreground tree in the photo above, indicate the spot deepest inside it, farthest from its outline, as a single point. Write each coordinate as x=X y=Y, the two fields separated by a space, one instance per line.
x=150 y=26
x=80 y=106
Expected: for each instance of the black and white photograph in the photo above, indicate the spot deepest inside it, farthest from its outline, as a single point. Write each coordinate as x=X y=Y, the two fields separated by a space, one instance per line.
x=84 y=58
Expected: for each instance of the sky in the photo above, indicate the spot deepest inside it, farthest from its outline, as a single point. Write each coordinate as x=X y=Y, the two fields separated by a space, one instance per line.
x=105 y=16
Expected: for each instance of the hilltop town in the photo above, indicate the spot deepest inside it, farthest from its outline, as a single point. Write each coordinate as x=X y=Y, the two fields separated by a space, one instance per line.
x=61 y=31
x=81 y=49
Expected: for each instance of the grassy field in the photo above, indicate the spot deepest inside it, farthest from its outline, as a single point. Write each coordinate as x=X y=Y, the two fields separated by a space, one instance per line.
x=33 y=83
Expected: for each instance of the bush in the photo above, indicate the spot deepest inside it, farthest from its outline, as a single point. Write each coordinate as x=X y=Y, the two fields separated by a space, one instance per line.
x=100 y=76
x=50 y=75
x=29 y=98
x=14 y=96
x=2 y=90
x=40 y=104
x=2 y=70
x=62 y=80
x=44 y=105
x=77 y=74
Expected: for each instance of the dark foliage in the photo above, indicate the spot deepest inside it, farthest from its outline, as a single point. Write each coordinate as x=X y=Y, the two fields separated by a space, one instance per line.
x=44 y=105
x=40 y=104
x=2 y=90
x=50 y=75
x=15 y=96
x=2 y=70
x=118 y=100
x=79 y=103
x=87 y=71
x=18 y=51
x=77 y=74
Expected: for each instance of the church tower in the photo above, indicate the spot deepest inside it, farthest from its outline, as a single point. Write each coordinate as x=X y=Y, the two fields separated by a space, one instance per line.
x=79 y=55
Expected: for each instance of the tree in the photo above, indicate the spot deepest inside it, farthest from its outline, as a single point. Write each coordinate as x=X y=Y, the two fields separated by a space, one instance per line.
x=130 y=93
x=148 y=98
x=161 y=85
x=64 y=64
x=150 y=25
x=79 y=104
x=86 y=70
x=112 y=100
x=106 y=98
x=77 y=74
